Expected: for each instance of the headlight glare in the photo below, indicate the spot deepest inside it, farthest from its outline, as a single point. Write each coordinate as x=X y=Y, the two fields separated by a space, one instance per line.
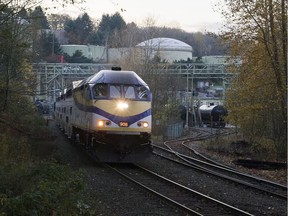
x=100 y=123
x=143 y=124
x=103 y=123
x=122 y=105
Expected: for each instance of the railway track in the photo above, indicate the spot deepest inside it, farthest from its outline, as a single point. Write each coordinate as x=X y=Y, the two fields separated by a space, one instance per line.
x=181 y=197
x=187 y=197
x=222 y=171
x=204 y=133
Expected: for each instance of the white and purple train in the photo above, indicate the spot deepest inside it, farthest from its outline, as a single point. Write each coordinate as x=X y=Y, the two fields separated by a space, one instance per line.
x=109 y=114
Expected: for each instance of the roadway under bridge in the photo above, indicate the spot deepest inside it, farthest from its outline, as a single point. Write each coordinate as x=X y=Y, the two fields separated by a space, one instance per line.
x=53 y=78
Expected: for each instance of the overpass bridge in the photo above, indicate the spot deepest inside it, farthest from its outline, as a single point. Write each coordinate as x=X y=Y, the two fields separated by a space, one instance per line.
x=53 y=78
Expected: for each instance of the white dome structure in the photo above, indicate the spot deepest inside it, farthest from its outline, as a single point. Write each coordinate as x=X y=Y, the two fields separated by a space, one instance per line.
x=168 y=49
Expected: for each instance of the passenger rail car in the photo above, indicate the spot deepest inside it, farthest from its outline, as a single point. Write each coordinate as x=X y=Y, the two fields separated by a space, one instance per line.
x=109 y=114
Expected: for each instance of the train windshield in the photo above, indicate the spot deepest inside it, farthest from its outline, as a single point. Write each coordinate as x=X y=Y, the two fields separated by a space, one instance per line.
x=142 y=92
x=100 y=90
x=122 y=91
x=129 y=92
x=115 y=91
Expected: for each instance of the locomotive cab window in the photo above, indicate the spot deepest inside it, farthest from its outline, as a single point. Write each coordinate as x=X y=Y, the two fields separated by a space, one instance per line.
x=122 y=91
x=129 y=92
x=142 y=92
x=115 y=91
x=86 y=92
x=100 y=90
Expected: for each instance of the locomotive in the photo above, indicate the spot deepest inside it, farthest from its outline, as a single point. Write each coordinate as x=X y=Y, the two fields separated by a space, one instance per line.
x=42 y=106
x=213 y=115
x=109 y=114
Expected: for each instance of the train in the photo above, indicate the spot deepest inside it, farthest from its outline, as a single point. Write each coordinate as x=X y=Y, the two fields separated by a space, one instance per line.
x=213 y=115
x=109 y=115
x=42 y=107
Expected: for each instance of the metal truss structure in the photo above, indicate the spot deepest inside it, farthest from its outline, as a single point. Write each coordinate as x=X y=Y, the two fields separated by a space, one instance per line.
x=54 y=78
x=202 y=71
x=199 y=70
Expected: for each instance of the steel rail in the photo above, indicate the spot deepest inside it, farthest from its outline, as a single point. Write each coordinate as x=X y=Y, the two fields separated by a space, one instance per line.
x=235 y=210
x=193 y=165
x=157 y=194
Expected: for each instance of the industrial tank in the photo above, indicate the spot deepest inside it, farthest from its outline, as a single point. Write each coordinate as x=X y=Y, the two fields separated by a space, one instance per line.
x=213 y=115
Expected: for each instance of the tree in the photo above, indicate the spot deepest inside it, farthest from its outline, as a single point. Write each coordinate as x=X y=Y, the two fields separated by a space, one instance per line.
x=15 y=72
x=80 y=30
x=71 y=32
x=57 y=21
x=146 y=64
x=49 y=44
x=39 y=19
x=258 y=97
x=84 y=28
x=23 y=14
x=38 y=22
x=109 y=26
x=17 y=31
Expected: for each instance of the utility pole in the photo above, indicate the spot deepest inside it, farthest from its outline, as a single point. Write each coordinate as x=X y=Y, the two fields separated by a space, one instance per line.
x=53 y=42
x=187 y=102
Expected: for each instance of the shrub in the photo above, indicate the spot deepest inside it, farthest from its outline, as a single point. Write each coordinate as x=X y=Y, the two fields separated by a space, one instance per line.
x=39 y=189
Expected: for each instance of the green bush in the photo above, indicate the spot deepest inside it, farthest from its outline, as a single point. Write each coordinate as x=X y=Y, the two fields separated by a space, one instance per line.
x=40 y=189
x=32 y=183
x=15 y=147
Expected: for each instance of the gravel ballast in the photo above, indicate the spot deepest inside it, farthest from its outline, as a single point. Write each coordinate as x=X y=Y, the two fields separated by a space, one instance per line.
x=113 y=195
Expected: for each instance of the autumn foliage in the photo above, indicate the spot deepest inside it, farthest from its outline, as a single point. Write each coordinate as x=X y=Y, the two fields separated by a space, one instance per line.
x=257 y=99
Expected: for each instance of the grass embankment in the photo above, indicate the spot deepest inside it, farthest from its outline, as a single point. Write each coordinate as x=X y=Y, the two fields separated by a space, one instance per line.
x=240 y=146
x=230 y=148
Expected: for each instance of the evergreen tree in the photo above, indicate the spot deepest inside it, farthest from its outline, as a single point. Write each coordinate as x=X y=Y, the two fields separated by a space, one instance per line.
x=39 y=19
x=57 y=21
x=71 y=32
x=85 y=28
x=80 y=30
x=107 y=27
x=38 y=24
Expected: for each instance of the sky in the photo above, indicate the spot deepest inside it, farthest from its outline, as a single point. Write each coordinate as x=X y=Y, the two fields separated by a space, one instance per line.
x=189 y=15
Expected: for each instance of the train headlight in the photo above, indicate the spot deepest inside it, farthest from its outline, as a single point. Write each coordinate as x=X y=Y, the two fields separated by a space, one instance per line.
x=103 y=123
x=143 y=124
x=122 y=105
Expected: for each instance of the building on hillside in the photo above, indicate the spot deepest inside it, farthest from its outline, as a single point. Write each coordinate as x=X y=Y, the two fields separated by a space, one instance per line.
x=167 y=49
x=96 y=53
x=115 y=55
x=219 y=59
